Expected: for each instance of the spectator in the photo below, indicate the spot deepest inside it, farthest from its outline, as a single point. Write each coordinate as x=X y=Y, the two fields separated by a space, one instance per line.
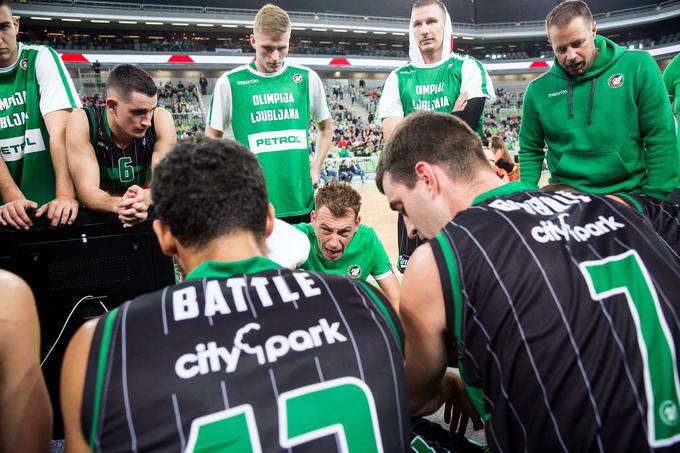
x=344 y=171
x=356 y=170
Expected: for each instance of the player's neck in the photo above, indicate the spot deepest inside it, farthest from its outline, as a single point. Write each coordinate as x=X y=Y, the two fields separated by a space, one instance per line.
x=229 y=248
x=467 y=191
x=433 y=57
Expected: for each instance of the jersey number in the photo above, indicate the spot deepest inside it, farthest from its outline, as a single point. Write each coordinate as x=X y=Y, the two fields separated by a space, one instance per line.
x=342 y=407
x=126 y=172
x=626 y=274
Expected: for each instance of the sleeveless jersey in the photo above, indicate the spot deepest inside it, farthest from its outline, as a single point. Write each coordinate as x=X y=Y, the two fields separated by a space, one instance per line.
x=664 y=216
x=270 y=116
x=564 y=308
x=248 y=357
x=364 y=256
x=436 y=87
x=37 y=84
x=119 y=168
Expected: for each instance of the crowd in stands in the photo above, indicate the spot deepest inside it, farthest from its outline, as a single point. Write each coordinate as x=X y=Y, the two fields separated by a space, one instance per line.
x=503 y=117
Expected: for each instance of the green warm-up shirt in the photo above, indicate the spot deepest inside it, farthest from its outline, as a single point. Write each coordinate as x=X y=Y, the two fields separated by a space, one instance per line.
x=610 y=129
x=364 y=256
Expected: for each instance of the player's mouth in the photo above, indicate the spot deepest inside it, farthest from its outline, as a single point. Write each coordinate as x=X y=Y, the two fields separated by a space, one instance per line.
x=426 y=41
x=333 y=254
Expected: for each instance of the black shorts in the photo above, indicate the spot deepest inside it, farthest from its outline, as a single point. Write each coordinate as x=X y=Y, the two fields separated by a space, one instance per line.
x=406 y=245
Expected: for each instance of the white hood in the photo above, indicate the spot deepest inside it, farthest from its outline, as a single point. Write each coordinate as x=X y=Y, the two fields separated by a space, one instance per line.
x=413 y=50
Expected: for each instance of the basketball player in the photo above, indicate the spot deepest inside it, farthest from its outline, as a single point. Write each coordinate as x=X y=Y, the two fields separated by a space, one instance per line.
x=39 y=95
x=269 y=104
x=435 y=79
x=112 y=148
x=25 y=410
x=244 y=356
x=561 y=307
x=341 y=244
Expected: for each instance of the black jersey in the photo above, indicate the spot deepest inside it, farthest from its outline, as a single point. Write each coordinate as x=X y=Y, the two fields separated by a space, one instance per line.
x=564 y=309
x=119 y=168
x=664 y=216
x=249 y=357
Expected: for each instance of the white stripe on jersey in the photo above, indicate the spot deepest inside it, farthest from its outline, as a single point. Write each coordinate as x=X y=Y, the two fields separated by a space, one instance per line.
x=522 y=334
x=126 y=392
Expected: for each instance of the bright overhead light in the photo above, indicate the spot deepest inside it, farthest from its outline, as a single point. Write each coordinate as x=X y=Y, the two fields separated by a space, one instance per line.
x=360 y=31
x=40 y=18
x=127 y=22
x=379 y=32
x=100 y=21
x=153 y=23
x=229 y=26
x=468 y=38
x=205 y=25
x=339 y=30
x=298 y=28
x=131 y=36
x=319 y=29
x=398 y=34
x=67 y=19
x=180 y=24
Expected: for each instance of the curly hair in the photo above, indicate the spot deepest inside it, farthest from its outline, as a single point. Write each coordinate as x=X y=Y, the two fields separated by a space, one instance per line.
x=339 y=197
x=209 y=188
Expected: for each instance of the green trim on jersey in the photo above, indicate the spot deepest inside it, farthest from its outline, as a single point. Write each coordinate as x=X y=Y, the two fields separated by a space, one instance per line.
x=505 y=189
x=364 y=255
x=476 y=394
x=62 y=76
x=379 y=303
x=218 y=269
x=631 y=201
x=102 y=361
x=436 y=87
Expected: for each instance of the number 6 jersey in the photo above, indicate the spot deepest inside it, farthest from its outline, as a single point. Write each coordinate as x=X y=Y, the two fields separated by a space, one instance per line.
x=565 y=312
x=248 y=357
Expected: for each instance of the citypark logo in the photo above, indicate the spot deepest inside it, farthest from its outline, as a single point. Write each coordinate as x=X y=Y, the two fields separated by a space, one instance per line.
x=23 y=64
x=297 y=78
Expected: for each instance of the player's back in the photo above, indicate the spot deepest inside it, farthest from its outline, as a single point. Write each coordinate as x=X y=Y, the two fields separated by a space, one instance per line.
x=566 y=308
x=248 y=357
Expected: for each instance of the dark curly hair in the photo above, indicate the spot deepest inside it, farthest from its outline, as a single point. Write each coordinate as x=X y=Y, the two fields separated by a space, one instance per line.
x=209 y=188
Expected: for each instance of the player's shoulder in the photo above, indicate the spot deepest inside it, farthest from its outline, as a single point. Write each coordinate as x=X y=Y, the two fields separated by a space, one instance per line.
x=306 y=228
x=366 y=232
x=299 y=67
x=232 y=73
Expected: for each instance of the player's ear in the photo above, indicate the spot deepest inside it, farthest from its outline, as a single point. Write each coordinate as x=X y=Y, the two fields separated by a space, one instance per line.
x=312 y=216
x=111 y=103
x=166 y=240
x=357 y=221
x=426 y=173
x=252 y=40
x=271 y=219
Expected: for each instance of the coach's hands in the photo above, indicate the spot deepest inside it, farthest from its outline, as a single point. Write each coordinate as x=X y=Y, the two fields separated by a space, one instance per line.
x=134 y=207
x=61 y=211
x=458 y=409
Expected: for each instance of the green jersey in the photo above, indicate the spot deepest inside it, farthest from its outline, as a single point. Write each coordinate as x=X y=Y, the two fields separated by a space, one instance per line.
x=434 y=87
x=671 y=77
x=364 y=256
x=35 y=85
x=270 y=114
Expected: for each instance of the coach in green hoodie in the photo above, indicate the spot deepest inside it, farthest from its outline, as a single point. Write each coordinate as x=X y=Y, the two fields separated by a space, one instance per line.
x=602 y=111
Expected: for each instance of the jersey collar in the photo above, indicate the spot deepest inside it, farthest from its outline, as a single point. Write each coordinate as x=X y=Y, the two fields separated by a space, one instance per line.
x=253 y=68
x=219 y=269
x=505 y=189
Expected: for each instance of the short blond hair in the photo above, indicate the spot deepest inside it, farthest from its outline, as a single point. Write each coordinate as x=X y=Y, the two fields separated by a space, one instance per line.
x=271 y=20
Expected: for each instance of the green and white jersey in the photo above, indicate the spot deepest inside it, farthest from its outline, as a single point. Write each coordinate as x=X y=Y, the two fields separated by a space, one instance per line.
x=434 y=87
x=270 y=114
x=364 y=256
x=35 y=85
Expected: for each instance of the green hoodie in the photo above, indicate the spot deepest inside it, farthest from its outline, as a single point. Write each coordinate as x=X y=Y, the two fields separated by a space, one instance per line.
x=610 y=129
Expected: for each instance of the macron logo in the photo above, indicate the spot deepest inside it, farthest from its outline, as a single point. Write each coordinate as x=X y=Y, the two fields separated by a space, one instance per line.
x=557 y=93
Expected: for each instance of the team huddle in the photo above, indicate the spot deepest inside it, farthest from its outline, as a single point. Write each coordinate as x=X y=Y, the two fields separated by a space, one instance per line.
x=555 y=305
